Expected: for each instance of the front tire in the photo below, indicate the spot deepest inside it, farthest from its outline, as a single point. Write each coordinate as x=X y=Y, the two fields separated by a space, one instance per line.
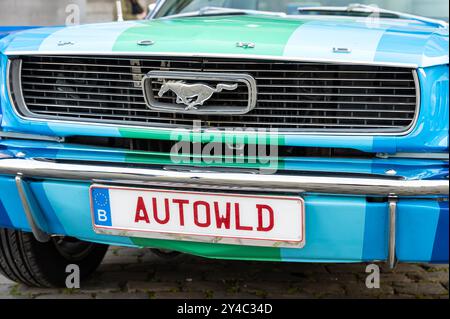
x=25 y=260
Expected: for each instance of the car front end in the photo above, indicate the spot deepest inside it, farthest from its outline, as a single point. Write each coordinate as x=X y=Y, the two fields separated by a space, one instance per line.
x=321 y=139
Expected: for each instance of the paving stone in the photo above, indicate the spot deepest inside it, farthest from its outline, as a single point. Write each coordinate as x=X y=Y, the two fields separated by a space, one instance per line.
x=123 y=296
x=234 y=296
x=31 y=291
x=290 y=296
x=99 y=287
x=318 y=290
x=401 y=296
x=5 y=288
x=410 y=268
x=435 y=267
x=108 y=267
x=306 y=269
x=341 y=278
x=5 y=281
x=204 y=286
x=178 y=276
x=346 y=268
x=65 y=296
x=362 y=290
x=9 y=296
x=434 y=276
x=178 y=295
x=420 y=289
x=270 y=287
x=388 y=278
x=121 y=260
x=139 y=274
x=121 y=277
x=282 y=275
x=394 y=277
x=141 y=286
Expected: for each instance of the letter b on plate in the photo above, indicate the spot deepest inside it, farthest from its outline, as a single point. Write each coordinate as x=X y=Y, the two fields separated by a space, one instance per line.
x=101 y=206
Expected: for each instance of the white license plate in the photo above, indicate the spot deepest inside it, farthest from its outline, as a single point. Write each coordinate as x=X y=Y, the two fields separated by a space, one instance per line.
x=250 y=220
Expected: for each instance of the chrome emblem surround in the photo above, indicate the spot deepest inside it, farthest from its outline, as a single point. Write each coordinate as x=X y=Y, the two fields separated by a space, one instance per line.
x=192 y=93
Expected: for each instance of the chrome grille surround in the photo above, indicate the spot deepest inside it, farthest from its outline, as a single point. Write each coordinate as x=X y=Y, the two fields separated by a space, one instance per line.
x=293 y=97
x=240 y=102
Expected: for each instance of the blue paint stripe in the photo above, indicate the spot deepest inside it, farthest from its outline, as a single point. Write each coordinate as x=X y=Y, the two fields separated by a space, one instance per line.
x=84 y=39
x=5 y=31
x=334 y=230
x=376 y=232
x=363 y=143
x=12 y=204
x=419 y=47
x=417 y=221
x=440 y=248
x=52 y=220
x=90 y=130
x=30 y=40
x=4 y=218
x=71 y=203
x=324 y=164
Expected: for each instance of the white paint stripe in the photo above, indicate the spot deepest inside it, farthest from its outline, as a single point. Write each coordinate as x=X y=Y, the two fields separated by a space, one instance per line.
x=100 y=37
x=316 y=40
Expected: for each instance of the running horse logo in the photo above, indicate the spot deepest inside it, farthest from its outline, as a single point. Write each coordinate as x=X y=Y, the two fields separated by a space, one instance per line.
x=193 y=95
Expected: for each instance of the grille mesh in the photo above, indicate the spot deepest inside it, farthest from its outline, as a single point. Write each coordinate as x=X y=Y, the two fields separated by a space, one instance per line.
x=291 y=95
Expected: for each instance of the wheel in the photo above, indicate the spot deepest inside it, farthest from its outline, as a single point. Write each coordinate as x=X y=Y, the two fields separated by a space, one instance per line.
x=25 y=260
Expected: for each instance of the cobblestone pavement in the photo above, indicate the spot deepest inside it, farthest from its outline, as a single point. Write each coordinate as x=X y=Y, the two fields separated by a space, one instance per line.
x=133 y=273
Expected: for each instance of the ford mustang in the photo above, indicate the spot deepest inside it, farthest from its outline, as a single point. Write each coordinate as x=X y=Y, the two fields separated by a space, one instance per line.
x=250 y=130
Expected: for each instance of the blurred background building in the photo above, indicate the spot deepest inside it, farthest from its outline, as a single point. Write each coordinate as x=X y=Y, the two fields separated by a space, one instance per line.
x=53 y=12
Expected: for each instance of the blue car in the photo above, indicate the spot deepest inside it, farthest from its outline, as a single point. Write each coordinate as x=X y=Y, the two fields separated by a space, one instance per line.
x=250 y=130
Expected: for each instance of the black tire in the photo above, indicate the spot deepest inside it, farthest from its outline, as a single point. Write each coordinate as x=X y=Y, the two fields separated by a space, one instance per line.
x=25 y=260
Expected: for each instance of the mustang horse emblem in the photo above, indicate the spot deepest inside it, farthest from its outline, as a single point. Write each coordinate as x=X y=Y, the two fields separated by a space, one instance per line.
x=193 y=95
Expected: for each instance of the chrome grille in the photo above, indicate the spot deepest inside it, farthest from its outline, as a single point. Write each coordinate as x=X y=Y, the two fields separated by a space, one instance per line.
x=294 y=96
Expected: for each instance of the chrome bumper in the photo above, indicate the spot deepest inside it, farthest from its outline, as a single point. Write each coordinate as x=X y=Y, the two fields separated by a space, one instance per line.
x=209 y=178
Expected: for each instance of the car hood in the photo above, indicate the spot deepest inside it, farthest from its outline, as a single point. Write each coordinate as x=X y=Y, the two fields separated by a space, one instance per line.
x=324 y=39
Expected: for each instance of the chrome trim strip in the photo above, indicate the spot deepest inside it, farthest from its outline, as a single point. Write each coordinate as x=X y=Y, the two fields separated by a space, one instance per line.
x=392 y=258
x=212 y=131
x=210 y=55
x=432 y=156
x=35 y=137
x=26 y=199
x=199 y=178
x=158 y=6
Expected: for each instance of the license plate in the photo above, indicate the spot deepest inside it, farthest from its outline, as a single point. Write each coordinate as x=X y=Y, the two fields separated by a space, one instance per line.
x=250 y=220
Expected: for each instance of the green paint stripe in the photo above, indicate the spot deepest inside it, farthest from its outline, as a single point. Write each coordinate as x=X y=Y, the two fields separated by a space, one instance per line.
x=210 y=35
x=186 y=135
x=213 y=250
x=145 y=133
x=270 y=164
